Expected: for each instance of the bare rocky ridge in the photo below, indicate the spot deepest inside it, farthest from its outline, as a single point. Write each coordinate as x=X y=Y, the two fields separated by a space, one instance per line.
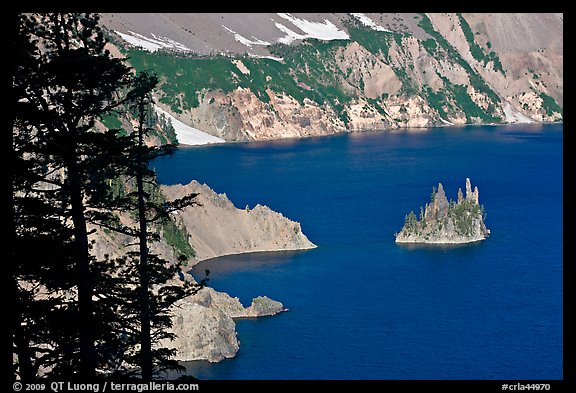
x=218 y=228
x=212 y=33
x=444 y=222
x=530 y=48
x=204 y=323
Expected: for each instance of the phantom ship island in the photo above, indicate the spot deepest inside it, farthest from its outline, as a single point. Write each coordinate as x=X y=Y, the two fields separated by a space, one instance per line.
x=446 y=222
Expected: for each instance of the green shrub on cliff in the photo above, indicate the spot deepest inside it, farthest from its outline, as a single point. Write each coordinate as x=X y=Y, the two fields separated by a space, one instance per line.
x=176 y=237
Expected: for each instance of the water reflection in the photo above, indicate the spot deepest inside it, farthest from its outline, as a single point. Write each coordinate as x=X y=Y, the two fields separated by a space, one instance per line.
x=223 y=266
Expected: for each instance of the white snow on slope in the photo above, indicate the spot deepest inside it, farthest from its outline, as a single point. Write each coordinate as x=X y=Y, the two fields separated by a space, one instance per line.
x=323 y=31
x=170 y=43
x=189 y=135
x=279 y=59
x=446 y=122
x=151 y=44
x=513 y=116
x=366 y=21
x=290 y=34
x=245 y=41
x=143 y=42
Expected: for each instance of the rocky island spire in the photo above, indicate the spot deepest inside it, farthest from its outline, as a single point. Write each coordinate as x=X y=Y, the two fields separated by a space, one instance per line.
x=446 y=222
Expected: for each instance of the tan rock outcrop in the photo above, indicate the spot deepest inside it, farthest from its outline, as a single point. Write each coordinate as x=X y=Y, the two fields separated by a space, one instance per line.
x=202 y=333
x=204 y=324
x=217 y=227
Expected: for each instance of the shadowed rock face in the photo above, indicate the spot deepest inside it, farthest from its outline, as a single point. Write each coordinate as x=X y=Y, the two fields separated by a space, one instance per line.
x=447 y=222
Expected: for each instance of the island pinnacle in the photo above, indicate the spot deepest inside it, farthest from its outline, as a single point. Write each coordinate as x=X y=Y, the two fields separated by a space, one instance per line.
x=446 y=222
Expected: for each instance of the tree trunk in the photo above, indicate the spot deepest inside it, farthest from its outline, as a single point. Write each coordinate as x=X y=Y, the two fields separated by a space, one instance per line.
x=22 y=349
x=84 y=278
x=145 y=337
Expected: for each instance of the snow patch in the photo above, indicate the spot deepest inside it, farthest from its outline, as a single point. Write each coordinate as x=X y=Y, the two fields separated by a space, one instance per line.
x=366 y=21
x=513 y=116
x=323 y=31
x=446 y=122
x=151 y=44
x=189 y=135
x=144 y=43
x=170 y=43
x=290 y=34
x=279 y=59
x=245 y=41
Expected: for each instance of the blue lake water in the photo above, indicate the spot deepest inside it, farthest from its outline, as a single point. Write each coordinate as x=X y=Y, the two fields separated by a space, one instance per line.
x=363 y=307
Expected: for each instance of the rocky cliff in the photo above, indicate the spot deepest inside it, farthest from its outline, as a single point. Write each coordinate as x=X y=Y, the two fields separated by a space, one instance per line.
x=247 y=77
x=204 y=323
x=446 y=222
x=216 y=227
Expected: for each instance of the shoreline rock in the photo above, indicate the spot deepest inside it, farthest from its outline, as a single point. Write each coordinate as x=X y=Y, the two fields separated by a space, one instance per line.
x=203 y=324
x=204 y=327
x=202 y=333
x=263 y=306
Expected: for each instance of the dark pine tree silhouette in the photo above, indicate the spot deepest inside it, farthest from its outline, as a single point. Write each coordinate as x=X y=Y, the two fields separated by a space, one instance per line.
x=142 y=97
x=64 y=83
x=153 y=307
x=143 y=320
x=74 y=314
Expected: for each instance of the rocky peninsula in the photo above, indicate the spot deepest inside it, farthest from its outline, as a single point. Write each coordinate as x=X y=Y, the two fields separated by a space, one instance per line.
x=204 y=326
x=216 y=227
x=446 y=222
x=204 y=323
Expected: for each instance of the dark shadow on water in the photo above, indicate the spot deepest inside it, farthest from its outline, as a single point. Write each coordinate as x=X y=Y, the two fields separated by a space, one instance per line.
x=203 y=370
x=444 y=252
x=244 y=262
x=439 y=246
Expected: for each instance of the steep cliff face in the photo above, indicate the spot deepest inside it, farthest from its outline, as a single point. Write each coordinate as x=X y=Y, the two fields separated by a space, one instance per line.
x=202 y=333
x=203 y=323
x=446 y=222
x=217 y=227
x=356 y=72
